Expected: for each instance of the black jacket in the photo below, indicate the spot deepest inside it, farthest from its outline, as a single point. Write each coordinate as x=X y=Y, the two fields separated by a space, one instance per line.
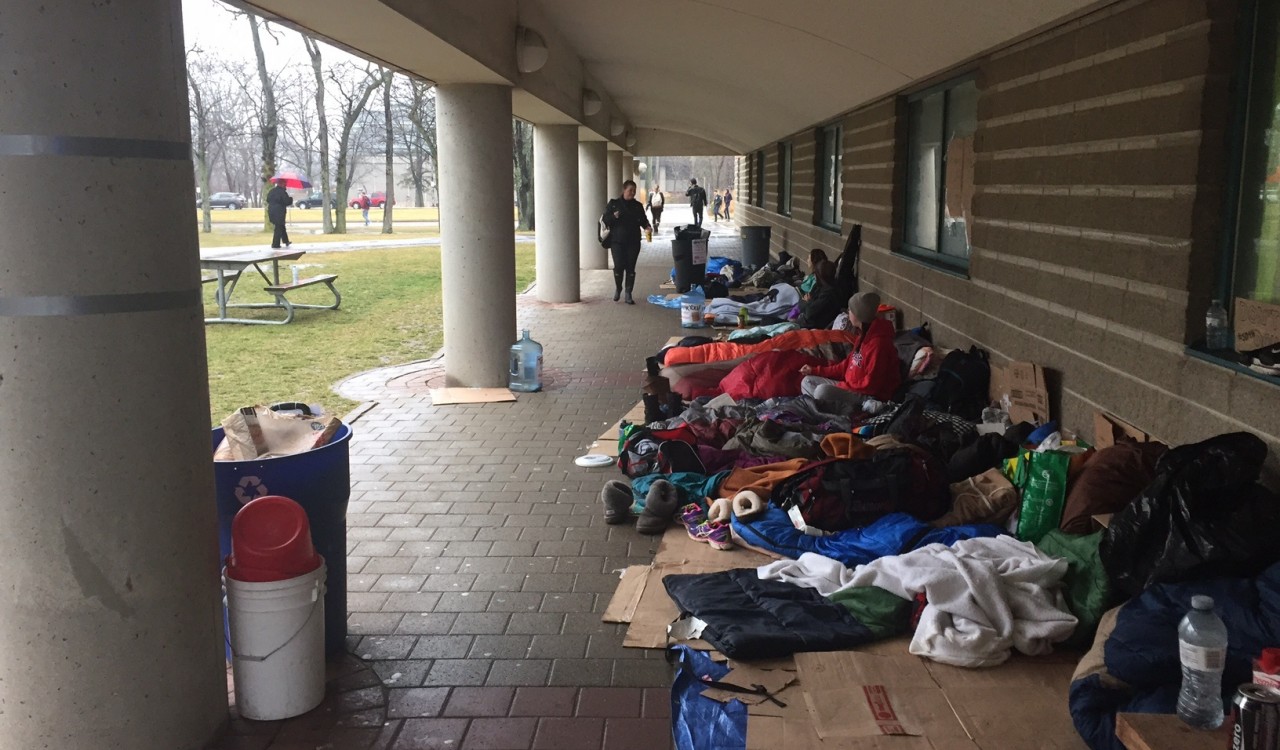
x=697 y=197
x=820 y=310
x=624 y=231
x=277 y=201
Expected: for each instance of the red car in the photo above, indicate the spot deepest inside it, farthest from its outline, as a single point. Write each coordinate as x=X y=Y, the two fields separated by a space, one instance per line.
x=377 y=200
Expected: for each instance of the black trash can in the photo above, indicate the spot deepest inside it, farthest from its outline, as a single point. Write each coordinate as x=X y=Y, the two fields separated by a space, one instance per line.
x=755 y=245
x=318 y=480
x=689 y=251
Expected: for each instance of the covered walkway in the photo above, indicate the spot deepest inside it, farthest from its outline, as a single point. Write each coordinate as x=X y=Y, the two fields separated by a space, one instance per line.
x=479 y=559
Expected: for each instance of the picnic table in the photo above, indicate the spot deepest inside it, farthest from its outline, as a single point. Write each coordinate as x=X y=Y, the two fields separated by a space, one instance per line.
x=228 y=266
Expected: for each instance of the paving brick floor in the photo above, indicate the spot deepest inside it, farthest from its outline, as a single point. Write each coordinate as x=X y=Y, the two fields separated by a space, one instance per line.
x=479 y=561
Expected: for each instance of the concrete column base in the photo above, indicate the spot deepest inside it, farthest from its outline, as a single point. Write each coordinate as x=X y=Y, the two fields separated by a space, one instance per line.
x=592 y=197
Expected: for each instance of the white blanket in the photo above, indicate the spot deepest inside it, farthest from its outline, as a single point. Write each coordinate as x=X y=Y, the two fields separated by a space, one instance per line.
x=786 y=298
x=985 y=596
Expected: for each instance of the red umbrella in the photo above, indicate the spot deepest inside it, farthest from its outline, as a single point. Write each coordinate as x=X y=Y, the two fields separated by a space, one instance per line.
x=291 y=180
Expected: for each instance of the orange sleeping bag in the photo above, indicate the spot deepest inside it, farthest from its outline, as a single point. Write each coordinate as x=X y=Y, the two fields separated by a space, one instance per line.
x=790 y=341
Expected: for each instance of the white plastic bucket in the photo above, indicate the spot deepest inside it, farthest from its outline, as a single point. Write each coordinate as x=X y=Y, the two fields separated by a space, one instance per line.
x=277 y=645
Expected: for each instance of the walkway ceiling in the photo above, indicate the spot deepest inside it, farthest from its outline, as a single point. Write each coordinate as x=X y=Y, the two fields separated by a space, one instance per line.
x=688 y=76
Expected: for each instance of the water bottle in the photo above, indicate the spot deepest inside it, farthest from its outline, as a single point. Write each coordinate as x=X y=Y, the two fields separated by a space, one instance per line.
x=744 y=318
x=1202 y=647
x=1217 y=329
x=526 y=365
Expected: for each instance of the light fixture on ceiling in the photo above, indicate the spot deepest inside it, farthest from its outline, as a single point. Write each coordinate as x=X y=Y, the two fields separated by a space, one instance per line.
x=616 y=127
x=591 y=103
x=631 y=140
x=531 y=50
x=641 y=167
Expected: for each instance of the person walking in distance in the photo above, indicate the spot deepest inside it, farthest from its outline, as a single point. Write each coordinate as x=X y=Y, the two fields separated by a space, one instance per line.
x=365 y=205
x=715 y=205
x=697 y=201
x=624 y=216
x=654 y=203
x=728 y=198
x=277 y=201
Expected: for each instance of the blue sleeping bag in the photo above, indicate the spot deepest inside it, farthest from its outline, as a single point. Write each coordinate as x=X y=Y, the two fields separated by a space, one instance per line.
x=894 y=534
x=1139 y=671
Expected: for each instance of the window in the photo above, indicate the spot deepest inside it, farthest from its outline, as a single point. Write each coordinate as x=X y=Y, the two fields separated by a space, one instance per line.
x=1252 y=266
x=830 y=148
x=759 y=183
x=940 y=124
x=784 y=178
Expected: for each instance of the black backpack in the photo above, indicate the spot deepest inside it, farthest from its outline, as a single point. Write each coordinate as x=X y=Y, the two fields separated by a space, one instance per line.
x=837 y=493
x=963 y=384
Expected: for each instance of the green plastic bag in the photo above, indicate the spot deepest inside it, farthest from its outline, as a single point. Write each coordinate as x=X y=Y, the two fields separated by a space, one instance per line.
x=1042 y=477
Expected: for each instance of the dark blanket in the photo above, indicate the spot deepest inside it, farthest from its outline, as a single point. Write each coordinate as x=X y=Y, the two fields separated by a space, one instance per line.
x=748 y=618
x=1134 y=664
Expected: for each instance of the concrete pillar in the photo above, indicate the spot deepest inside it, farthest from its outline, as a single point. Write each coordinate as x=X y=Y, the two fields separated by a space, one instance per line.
x=110 y=616
x=477 y=244
x=555 y=185
x=614 y=187
x=628 y=168
x=591 y=202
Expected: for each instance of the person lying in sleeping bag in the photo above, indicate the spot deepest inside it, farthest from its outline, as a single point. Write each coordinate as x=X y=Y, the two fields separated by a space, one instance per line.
x=870 y=372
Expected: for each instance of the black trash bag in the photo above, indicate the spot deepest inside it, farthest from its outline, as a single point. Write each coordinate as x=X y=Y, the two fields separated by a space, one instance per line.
x=1204 y=515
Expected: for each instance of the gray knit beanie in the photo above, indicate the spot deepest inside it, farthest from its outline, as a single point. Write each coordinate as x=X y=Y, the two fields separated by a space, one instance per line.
x=863 y=306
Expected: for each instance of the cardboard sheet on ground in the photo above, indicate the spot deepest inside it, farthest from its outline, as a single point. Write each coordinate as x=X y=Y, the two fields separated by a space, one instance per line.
x=652 y=610
x=878 y=697
x=447 y=396
x=775 y=681
x=607 y=443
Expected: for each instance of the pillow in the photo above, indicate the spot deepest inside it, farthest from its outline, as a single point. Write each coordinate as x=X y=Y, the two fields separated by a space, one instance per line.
x=1109 y=482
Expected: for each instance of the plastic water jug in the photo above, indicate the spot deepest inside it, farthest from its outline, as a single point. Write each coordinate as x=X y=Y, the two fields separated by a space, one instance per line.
x=526 y=365
x=1217 y=328
x=691 y=306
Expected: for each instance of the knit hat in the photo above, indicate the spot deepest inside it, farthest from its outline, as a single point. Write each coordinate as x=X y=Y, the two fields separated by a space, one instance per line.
x=864 y=306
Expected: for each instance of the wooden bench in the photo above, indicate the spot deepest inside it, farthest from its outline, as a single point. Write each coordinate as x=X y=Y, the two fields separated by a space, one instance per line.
x=280 y=290
x=327 y=278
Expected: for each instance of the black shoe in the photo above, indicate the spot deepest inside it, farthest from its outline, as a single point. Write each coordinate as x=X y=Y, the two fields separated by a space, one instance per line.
x=617 y=295
x=628 y=300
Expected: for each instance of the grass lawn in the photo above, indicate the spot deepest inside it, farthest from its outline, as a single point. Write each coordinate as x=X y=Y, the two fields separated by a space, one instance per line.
x=242 y=238
x=390 y=314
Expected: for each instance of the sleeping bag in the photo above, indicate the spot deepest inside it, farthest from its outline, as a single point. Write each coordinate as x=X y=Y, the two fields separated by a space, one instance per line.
x=768 y=375
x=802 y=339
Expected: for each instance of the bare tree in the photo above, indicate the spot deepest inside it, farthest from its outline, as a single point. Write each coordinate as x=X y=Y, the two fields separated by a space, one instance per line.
x=267 y=116
x=209 y=125
x=422 y=115
x=522 y=171
x=353 y=98
x=326 y=198
x=388 y=77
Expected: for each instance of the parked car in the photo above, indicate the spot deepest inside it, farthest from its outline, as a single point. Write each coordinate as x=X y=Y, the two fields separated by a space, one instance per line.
x=315 y=200
x=377 y=200
x=233 y=201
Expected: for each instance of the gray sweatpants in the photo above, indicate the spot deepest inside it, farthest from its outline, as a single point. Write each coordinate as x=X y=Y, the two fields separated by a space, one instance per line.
x=831 y=396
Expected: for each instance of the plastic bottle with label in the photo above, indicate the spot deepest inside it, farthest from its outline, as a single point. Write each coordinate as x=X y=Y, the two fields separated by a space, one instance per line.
x=526 y=365
x=1202 y=647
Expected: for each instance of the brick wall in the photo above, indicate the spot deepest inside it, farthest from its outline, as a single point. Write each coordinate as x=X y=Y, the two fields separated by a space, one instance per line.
x=1101 y=156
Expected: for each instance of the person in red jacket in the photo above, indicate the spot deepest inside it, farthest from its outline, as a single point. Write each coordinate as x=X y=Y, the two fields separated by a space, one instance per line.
x=867 y=377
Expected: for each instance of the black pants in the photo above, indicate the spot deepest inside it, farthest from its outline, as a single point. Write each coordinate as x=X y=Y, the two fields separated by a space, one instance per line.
x=657 y=217
x=281 y=235
x=697 y=216
x=624 y=266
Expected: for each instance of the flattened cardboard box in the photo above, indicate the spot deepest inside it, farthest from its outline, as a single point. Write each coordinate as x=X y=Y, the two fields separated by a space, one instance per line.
x=1257 y=324
x=902 y=701
x=1020 y=389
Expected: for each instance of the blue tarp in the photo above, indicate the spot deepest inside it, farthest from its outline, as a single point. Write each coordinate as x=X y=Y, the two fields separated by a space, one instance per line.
x=699 y=723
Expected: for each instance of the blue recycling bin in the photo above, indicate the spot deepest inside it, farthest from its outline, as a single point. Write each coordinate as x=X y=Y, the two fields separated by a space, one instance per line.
x=318 y=480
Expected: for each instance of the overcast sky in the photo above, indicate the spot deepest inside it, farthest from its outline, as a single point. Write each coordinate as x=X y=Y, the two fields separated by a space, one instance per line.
x=209 y=25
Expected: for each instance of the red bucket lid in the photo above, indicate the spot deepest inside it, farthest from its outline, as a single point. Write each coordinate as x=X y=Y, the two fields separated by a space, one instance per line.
x=271 y=541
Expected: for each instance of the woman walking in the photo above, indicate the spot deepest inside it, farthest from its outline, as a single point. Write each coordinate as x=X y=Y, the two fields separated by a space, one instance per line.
x=624 y=216
x=728 y=198
x=656 y=201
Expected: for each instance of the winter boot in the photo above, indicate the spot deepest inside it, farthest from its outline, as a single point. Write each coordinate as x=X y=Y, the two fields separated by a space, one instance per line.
x=659 y=506
x=616 y=497
x=617 y=285
x=653 y=409
x=631 y=284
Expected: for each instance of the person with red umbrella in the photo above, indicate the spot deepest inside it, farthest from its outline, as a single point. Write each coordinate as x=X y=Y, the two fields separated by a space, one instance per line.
x=277 y=201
